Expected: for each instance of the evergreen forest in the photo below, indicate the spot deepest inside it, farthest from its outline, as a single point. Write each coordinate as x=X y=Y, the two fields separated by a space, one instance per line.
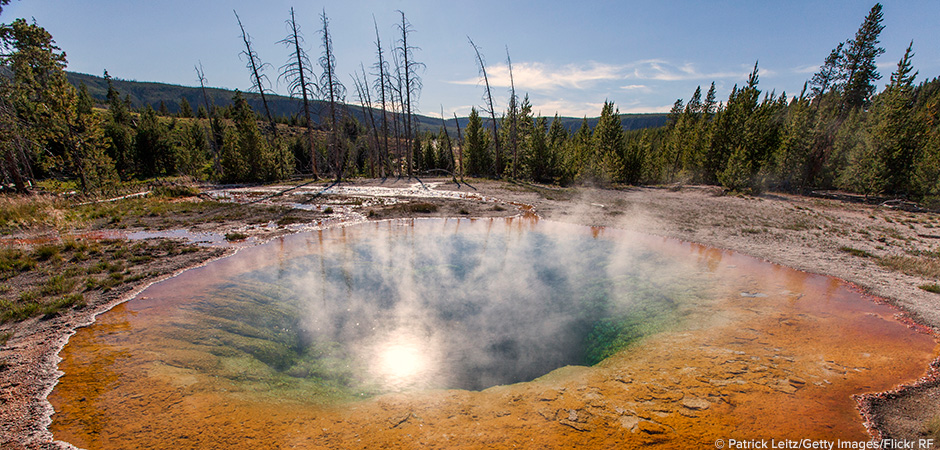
x=847 y=129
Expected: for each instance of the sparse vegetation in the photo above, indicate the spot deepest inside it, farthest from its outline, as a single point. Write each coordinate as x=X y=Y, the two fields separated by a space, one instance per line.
x=932 y=428
x=935 y=288
x=4 y=337
x=420 y=207
x=235 y=236
x=54 y=277
x=913 y=265
x=856 y=252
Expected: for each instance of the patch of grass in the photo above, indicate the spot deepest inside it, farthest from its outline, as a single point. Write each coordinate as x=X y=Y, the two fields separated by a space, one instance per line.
x=140 y=259
x=16 y=312
x=20 y=212
x=798 y=225
x=235 y=236
x=751 y=230
x=855 y=252
x=464 y=211
x=933 y=428
x=48 y=252
x=4 y=337
x=498 y=208
x=421 y=207
x=913 y=265
x=69 y=301
x=328 y=210
x=935 y=288
x=58 y=284
x=287 y=220
x=175 y=191
x=14 y=261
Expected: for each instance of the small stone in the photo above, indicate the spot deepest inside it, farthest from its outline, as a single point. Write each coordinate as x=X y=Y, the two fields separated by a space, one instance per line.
x=695 y=403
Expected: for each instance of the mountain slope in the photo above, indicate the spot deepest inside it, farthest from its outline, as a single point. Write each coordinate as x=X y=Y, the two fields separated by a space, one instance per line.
x=152 y=93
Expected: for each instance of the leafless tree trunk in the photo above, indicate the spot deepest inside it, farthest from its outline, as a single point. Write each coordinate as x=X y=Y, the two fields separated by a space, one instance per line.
x=333 y=91
x=13 y=143
x=398 y=93
x=449 y=161
x=214 y=128
x=513 y=118
x=365 y=100
x=459 y=147
x=412 y=86
x=258 y=78
x=488 y=97
x=298 y=74
x=380 y=84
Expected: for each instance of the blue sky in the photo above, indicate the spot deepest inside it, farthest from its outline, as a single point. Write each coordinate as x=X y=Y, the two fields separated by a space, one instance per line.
x=568 y=56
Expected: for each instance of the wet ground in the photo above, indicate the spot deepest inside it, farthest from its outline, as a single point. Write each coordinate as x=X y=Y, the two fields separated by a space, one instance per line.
x=767 y=353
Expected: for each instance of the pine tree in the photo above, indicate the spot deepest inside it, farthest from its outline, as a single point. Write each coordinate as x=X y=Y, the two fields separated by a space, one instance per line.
x=860 y=70
x=895 y=130
x=186 y=110
x=53 y=127
x=478 y=159
x=608 y=146
x=541 y=162
x=193 y=151
x=794 y=157
x=152 y=146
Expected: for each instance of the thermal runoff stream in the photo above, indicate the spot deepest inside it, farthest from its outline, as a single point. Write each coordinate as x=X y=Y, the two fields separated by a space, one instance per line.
x=481 y=334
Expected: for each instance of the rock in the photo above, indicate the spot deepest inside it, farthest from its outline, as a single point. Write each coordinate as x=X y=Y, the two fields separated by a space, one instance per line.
x=649 y=427
x=695 y=403
x=396 y=421
x=576 y=425
x=548 y=395
x=630 y=422
x=797 y=382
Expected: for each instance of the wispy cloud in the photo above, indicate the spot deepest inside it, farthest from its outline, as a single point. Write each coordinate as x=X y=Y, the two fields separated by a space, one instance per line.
x=567 y=108
x=806 y=69
x=662 y=70
x=536 y=76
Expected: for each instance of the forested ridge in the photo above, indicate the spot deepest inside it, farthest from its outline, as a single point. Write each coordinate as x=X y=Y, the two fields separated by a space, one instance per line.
x=847 y=129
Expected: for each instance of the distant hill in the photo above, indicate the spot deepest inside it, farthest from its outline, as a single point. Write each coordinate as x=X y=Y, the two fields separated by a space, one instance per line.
x=151 y=93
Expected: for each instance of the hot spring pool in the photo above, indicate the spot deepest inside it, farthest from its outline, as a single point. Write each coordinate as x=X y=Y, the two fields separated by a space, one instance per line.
x=480 y=333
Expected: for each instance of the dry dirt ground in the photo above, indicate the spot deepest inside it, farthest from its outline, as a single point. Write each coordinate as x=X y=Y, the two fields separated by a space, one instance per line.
x=884 y=250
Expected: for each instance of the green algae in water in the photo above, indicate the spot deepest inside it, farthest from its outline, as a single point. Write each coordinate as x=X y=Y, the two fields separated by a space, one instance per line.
x=397 y=308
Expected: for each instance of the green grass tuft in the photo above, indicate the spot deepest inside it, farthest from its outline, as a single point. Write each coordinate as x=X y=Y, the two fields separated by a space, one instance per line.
x=935 y=288
x=57 y=285
x=235 y=236
x=69 y=301
x=855 y=252
x=933 y=429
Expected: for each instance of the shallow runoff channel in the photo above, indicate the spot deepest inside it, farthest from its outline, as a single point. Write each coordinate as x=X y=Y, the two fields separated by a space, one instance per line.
x=481 y=333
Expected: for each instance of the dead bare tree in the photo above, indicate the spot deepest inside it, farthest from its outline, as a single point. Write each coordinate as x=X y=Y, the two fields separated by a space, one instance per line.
x=15 y=168
x=448 y=157
x=488 y=97
x=459 y=147
x=215 y=127
x=380 y=85
x=298 y=73
x=258 y=79
x=365 y=101
x=412 y=88
x=398 y=107
x=513 y=118
x=334 y=92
